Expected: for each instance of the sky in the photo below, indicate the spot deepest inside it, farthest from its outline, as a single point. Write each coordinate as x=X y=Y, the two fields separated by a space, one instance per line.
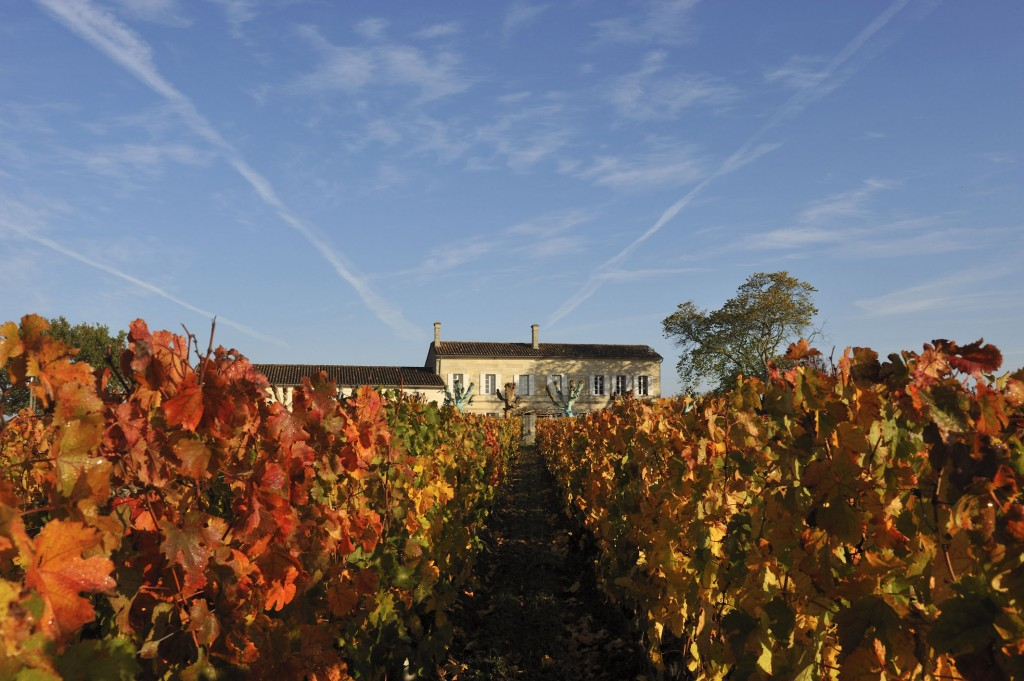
x=329 y=179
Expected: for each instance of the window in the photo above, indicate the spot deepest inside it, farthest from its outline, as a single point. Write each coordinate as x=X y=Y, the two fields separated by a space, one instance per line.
x=621 y=385
x=642 y=385
x=524 y=385
x=457 y=381
x=556 y=381
x=490 y=384
x=598 y=386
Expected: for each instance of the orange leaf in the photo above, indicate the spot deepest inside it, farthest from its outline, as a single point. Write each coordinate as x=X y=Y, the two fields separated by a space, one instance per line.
x=59 y=573
x=203 y=623
x=186 y=408
x=10 y=342
x=280 y=592
x=195 y=458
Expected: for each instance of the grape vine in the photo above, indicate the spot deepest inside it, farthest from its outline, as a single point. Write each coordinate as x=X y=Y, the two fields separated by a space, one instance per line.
x=188 y=526
x=864 y=522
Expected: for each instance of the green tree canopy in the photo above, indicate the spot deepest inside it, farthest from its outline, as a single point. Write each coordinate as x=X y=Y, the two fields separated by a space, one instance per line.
x=93 y=342
x=743 y=335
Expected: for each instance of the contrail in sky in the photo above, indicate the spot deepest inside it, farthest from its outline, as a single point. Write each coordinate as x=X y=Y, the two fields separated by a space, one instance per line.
x=104 y=32
x=55 y=246
x=748 y=152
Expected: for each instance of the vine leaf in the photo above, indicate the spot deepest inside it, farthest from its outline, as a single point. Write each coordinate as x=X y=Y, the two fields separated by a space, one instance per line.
x=192 y=545
x=185 y=409
x=974 y=359
x=195 y=458
x=59 y=573
x=203 y=623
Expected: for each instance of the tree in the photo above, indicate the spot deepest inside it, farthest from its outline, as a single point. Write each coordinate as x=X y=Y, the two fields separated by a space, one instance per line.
x=745 y=334
x=94 y=342
x=510 y=401
x=566 y=401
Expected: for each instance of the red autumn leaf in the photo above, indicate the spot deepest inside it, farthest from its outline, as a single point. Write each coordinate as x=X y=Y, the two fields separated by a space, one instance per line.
x=1015 y=521
x=368 y=528
x=974 y=359
x=991 y=418
x=185 y=409
x=59 y=573
x=343 y=596
x=801 y=350
x=136 y=360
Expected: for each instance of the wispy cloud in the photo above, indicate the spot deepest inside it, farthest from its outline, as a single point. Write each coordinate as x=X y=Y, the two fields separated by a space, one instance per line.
x=835 y=72
x=666 y=21
x=520 y=15
x=351 y=68
x=788 y=238
x=24 y=222
x=957 y=291
x=127 y=160
x=544 y=237
x=514 y=97
x=372 y=28
x=749 y=151
x=843 y=205
x=166 y=12
x=117 y=41
x=238 y=13
x=626 y=275
x=646 y=95
x=799 y=72
x=654 y=170
x=438 y=31
x=553 y=223
x=524 y=138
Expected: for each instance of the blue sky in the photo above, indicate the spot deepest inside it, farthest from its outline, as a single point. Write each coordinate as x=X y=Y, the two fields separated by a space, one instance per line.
x=331 y=178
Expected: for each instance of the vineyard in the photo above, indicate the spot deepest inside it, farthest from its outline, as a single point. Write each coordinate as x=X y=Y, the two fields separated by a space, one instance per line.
x=865 y=522
x=163 y=519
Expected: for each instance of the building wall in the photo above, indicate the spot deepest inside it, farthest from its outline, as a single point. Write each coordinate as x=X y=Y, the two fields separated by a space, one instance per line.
x=508 y=370
x=284 y=393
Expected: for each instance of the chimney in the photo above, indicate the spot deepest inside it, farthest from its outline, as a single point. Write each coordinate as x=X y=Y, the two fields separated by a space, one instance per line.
x=437 y=335
x=535 y=329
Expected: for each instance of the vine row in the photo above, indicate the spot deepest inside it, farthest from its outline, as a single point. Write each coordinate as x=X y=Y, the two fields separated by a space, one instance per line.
x=162 y=518
x=863 y=522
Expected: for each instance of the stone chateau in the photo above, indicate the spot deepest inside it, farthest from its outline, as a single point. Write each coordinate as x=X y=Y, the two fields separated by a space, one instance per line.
x=605 y=371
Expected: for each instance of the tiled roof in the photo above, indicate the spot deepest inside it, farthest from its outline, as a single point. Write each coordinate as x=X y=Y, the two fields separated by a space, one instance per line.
x=547 y=350
x=408 y=377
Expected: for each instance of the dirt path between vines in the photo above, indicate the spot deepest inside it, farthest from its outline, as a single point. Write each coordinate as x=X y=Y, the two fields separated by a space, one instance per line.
x=536 y=613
